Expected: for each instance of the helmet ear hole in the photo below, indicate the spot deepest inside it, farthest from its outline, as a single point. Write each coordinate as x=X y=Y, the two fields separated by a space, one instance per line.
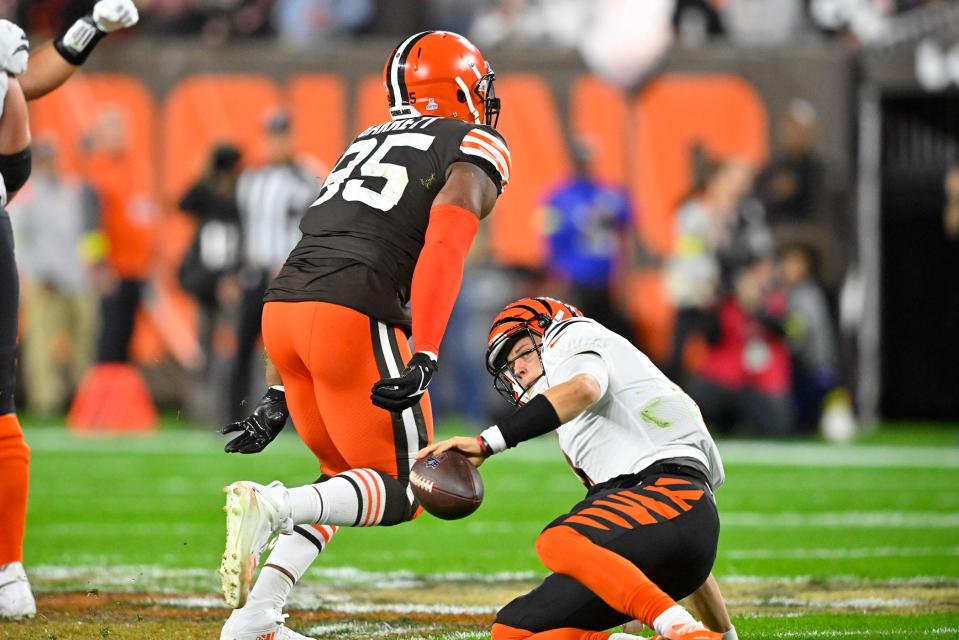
x=460 y=95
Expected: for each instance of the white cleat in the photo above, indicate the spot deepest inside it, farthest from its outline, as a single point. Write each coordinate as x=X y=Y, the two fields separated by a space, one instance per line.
x=253 y=514
x=258 y=624
x=16 y=598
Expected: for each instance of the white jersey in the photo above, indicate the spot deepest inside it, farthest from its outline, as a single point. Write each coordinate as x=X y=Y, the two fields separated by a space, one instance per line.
x=642 y=418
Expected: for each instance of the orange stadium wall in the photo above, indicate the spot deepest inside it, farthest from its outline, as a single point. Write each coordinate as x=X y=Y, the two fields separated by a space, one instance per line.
x=643 y=140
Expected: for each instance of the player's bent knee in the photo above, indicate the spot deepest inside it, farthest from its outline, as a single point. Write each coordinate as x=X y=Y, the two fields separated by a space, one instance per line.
x=505 y=632
x=552 y=545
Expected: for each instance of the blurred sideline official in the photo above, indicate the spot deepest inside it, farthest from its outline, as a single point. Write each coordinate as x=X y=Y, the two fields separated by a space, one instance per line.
x=272 y=199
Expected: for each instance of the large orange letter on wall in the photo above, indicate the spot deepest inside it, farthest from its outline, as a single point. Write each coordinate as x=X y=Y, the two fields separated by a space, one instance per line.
x=721 y=113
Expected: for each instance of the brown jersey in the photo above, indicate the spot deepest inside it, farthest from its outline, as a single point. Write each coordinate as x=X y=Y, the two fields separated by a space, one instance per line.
x=363 y=235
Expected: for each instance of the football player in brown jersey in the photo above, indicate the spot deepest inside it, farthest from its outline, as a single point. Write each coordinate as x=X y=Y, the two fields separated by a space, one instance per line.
x=389 y=231
x=49 y=67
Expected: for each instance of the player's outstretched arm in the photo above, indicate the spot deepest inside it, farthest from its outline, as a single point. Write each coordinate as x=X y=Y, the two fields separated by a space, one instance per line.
x=544 y=413
x=53 y=63
x=468 y=196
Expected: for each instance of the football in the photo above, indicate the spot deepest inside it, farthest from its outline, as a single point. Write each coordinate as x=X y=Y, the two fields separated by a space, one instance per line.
x=447 y=485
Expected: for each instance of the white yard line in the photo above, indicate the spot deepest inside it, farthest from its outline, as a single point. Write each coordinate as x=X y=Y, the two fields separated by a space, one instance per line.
x=151 y=578
x=839 y=553
x=859 y=604
x=843 y=519
x=857 y=633
x=734 y=452
x=821 y=454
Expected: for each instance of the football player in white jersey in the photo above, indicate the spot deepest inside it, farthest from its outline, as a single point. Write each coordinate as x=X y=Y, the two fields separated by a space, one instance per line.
x=645 y=536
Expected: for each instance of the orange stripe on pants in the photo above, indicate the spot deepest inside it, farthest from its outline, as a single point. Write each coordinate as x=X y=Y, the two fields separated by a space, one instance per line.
x=14 y=481
x=621 y=584
x=325 y=356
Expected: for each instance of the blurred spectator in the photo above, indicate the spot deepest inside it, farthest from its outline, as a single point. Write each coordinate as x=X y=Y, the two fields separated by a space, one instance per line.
x=950 y=216
x=588 y=227
x=208 y=269
x=623 y=40
x=791 y=187
x=309 y=22
x=718 y=224
x=763 y=22
x=272 y=199
x=215 y=20
x=47 y=18
x=530 y=23
x=58 y=240
x=128 y=220
x=742 y=384
x=809 y=330
x=855 y=22
x=174 y=17
x=696 y=21
x=452 y=15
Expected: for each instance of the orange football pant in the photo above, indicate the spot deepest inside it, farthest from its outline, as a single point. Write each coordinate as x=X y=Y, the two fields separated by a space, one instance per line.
x=504 y=632
x=14 y=479
x=620 y=583
x=328 y=357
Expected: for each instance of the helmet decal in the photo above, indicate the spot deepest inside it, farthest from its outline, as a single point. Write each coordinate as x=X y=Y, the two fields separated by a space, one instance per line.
x=398 y=92
x=445 y=71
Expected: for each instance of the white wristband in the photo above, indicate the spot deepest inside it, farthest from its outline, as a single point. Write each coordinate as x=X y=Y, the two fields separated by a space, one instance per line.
x=494 y=438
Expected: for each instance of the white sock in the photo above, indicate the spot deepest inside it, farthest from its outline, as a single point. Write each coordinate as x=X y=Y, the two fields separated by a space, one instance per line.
x=271 y=589
x=286 y=564
x=306 y=504
x=352 y=498
x=13 y=570
x=670 y=618
x=730 y=634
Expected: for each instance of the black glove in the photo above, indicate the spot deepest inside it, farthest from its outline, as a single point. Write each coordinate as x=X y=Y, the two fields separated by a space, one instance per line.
x=401 y=393
x=261 y=427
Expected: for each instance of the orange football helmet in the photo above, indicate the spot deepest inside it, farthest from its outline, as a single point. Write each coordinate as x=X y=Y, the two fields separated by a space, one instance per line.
x=440 y=73
x=524 y=317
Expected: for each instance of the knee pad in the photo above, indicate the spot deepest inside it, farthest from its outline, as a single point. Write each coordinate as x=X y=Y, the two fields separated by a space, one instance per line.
x=399 y=504
x=549 y=546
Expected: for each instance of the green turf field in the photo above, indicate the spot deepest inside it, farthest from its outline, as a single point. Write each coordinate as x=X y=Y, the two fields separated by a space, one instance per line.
x=818 y=540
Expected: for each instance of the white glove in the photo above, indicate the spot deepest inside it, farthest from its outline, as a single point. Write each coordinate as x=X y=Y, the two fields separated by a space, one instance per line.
x=14 y=48
x=110 y=15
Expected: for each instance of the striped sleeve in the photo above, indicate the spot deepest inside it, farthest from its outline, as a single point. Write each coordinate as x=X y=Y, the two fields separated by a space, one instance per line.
x=481 y=144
